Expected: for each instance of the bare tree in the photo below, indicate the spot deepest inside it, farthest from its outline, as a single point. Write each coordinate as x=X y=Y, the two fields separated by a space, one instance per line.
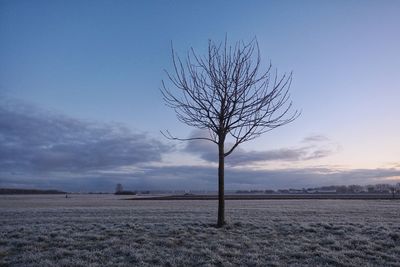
x=227 y=93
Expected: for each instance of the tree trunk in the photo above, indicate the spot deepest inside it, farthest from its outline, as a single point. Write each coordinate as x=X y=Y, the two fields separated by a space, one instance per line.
x=221 y=197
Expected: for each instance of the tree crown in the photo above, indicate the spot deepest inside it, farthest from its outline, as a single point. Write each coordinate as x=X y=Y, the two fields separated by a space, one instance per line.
x=227 y=93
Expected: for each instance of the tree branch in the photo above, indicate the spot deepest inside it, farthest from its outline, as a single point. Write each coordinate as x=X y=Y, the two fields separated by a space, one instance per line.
x=169 y=136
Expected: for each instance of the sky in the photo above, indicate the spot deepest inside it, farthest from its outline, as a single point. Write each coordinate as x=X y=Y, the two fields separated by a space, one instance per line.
x=81 y=109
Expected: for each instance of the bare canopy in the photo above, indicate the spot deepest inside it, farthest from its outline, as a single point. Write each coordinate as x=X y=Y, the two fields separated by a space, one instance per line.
x=227 y=93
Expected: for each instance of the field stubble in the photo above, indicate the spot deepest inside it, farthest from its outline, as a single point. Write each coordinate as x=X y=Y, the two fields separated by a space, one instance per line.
x=101 y=230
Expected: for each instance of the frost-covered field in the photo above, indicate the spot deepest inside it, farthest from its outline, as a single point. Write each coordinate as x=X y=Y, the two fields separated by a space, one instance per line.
x=100 y=230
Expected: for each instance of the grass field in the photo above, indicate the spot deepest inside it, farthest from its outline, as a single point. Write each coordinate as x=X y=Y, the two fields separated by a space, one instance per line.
x=101 y=230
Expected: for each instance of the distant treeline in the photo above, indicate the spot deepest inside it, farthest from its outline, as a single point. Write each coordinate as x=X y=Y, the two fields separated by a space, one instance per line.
x=333 y=189
x=13 y=191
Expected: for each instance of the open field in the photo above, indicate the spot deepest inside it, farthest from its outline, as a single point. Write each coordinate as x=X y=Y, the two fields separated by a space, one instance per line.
x=100 y=230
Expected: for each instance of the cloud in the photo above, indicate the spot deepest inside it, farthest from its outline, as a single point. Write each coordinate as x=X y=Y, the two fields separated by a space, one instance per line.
x=34 y=141
x=315 y=138
x=208 y=151
x=242 y=157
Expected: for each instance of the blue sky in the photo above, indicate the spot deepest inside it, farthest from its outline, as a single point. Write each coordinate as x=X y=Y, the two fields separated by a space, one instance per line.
x=81 y=67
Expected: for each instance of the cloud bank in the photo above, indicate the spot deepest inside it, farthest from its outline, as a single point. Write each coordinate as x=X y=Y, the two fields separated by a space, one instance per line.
x=41 y=149
x=33 y=141
x=314 y=147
